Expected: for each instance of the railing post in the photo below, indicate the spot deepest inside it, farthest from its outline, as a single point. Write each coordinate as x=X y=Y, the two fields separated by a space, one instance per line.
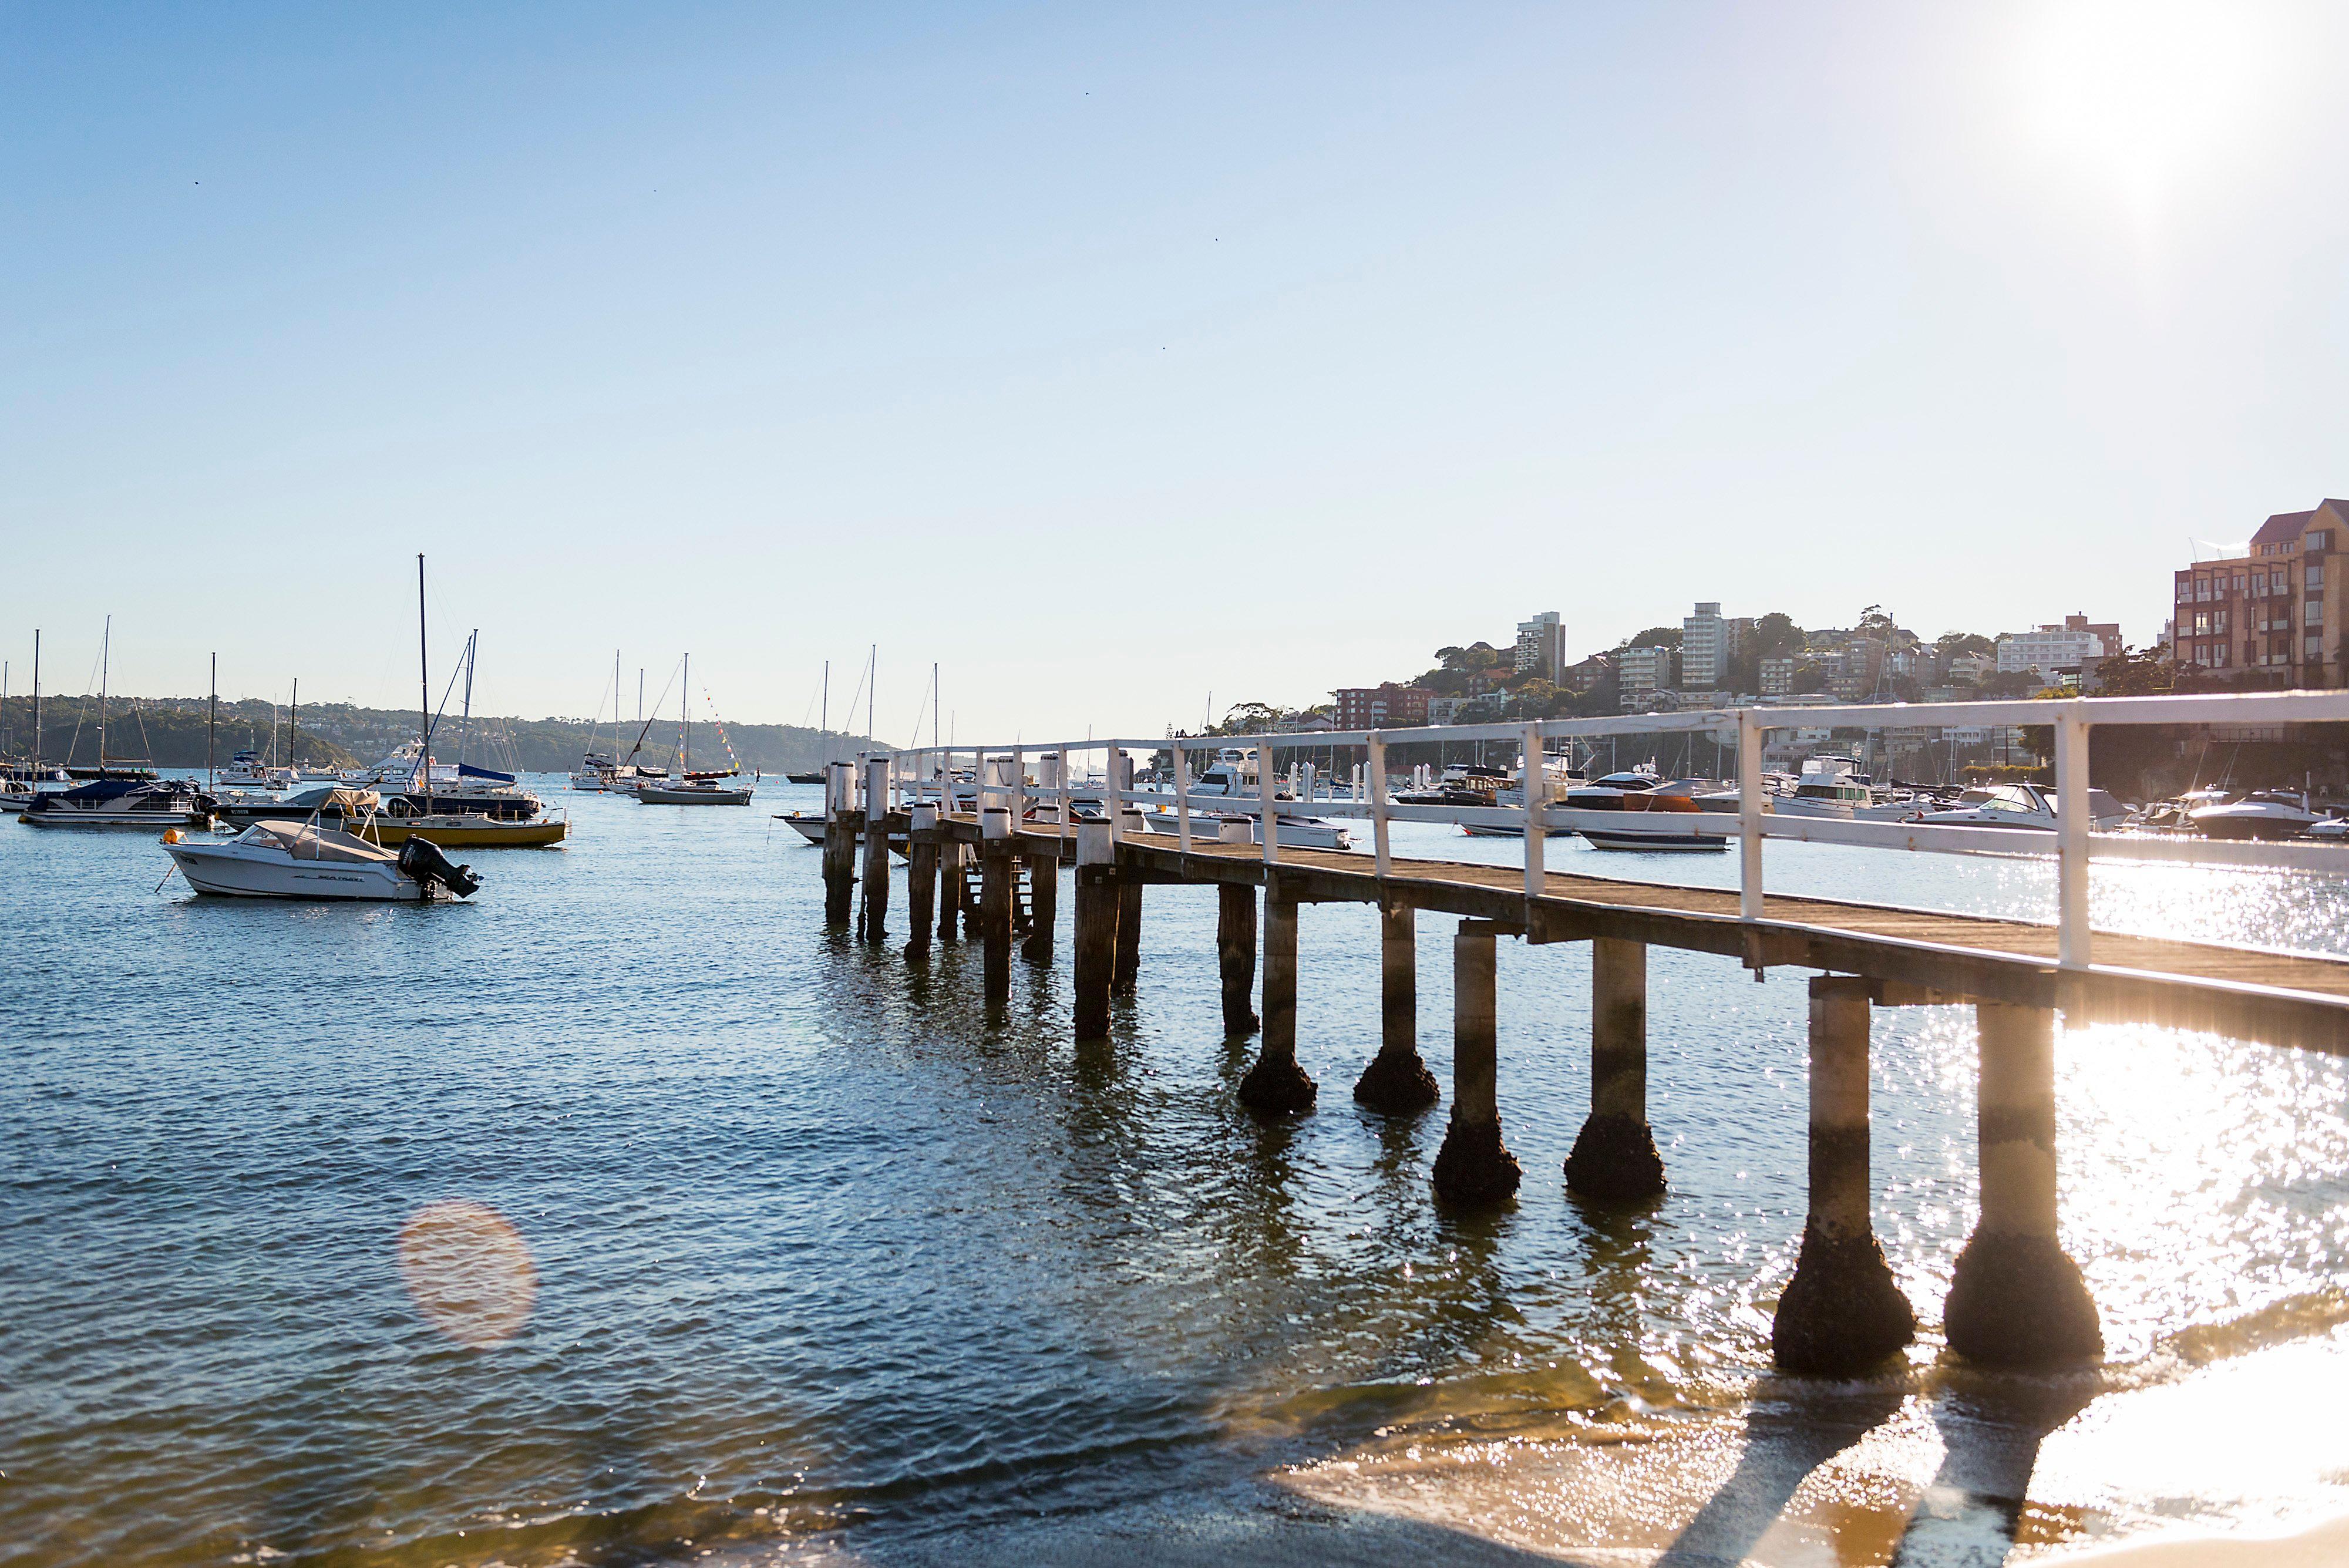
x=1112 y=807
x=1182 y=798
x=1019 y=789
x=1378 y=764
x=1265 y=786
x=1536 y=781
x=1749 y=814
x=2072 y=821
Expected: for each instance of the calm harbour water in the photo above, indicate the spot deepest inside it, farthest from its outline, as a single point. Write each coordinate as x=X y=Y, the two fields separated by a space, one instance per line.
x=827 y=1262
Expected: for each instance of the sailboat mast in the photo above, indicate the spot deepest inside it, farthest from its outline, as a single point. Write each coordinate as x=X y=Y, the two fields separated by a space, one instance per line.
x=37 y=703
x=872 y=679
x=211 y=724
x=685 y=722
x=105 y=665
x=423 y=691
x=465 y=735
x=934 y=702
x=826 y=720
x=293 y=730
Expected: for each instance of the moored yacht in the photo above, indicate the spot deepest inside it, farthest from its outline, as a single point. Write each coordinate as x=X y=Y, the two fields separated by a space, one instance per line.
x=282 y=859
x=121 y=803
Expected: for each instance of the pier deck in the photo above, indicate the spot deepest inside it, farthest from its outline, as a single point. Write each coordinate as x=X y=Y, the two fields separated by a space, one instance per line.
x=1919 y=956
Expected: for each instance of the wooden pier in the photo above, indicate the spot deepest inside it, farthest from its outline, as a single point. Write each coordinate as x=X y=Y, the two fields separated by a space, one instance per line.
x=2016 y=1298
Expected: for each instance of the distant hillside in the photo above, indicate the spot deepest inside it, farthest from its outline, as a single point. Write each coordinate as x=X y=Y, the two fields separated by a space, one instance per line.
x=168 y=731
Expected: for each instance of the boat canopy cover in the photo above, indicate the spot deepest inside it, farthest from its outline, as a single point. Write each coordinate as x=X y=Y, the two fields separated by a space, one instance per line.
x=306 y=843
x=467 y=771
x=116 y=789
x=341 y=797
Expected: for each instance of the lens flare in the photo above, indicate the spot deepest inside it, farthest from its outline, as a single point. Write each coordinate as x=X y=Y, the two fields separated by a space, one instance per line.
x=468 y=1271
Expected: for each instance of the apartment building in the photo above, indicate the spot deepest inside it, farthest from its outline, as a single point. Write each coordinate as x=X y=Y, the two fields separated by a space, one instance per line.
x=1541 y=647
x=1382 y=707
x=2276 y=609
x=1640 y=673
x=1778 y=677
x=2046 y=651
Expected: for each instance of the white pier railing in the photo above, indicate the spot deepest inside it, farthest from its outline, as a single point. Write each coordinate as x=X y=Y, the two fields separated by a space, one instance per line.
x=1002 y=772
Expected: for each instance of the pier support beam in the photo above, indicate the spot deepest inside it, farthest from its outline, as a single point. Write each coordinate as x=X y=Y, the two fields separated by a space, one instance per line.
x=1474 y=1168
x=1096 y=928
x=1276 y=1085
x=1129 y=936
x=840 y=836
x=2016 y=1299
x=995 y=919
x=1841 y=1313
x=951 y=892
x=875 y=926
x=921 y=876
x=1397 y=1082
x=1615 y=1158
x=1043 y=906
x=1236 y=955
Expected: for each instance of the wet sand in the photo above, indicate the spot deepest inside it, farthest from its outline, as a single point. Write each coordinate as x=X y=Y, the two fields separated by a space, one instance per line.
x=2231 y=1462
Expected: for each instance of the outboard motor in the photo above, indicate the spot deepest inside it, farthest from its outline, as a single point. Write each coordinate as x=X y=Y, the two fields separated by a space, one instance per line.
x=422 y=860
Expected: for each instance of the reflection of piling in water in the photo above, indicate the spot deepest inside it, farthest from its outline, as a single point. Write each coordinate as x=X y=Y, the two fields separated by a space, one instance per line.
x=1615 y=1157
x=2016 y=1299
x=1397 y=1082
x=1475 y=1167
x=1841 y=1311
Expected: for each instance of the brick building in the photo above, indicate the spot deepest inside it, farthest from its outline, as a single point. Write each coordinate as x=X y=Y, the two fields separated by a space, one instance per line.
x=2276 y=609
x=1385 y=706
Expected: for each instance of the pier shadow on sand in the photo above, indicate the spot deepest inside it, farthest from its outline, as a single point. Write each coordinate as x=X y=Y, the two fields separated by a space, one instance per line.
x=1794 y=1426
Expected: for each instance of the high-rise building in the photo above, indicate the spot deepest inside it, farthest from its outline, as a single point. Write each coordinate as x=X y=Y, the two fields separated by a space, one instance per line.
x=2275 y=609
x=1704 y=648
x=1639 y=674
x=1778 y=677
x=1541 y=647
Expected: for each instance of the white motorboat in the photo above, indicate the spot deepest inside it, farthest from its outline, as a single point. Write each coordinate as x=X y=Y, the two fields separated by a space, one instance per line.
x=120 y=803
x=281 y=860
x=14 y=796
x=810 y=824
x=2025 y=805
x=1290 y=831
x=692 y=792
x=2262 y=813
x=246 y=770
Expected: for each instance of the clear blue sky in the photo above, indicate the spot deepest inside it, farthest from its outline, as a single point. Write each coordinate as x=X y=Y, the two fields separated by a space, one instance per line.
x=1114 y=356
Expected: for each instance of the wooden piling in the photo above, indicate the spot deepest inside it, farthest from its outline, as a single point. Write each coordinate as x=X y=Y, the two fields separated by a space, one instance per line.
x=1043 y=906
x=1095 y=937
x=995 y=919
x=1474 y=1168
x=1615 y=1158
x=876 y=923
x=921 y=876
x=1236 y=955
x=1841 y=1313
x=841 y=825
x=952 y=894
x=1129 y=936
x=1397 y=1081
x=1278 y=1085
x=2016 y=1298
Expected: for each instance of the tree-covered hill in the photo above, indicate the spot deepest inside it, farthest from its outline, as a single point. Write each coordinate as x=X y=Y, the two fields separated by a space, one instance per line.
x=169 y=733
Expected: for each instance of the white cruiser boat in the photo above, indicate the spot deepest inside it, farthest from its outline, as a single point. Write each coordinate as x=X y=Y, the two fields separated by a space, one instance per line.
x=692 y=792
x=303 y=860
x=247 y=771
x=121 y=803
x=1290 y=831
x=2262 y=813
x=2023 y=805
